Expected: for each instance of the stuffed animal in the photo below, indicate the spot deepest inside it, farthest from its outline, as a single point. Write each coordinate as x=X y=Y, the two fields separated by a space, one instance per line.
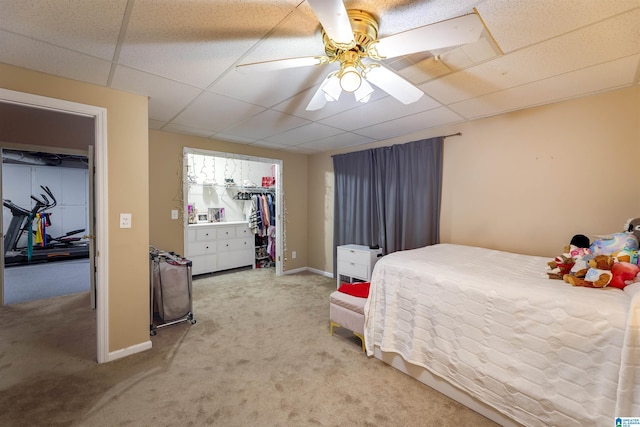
x=560 y=266
x=624 y=273
x=633 y=226
x=615 y=243
x=598 y=275
x=563 y=264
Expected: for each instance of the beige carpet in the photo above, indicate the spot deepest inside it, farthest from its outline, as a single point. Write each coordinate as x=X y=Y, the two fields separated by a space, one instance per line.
x=260 y=354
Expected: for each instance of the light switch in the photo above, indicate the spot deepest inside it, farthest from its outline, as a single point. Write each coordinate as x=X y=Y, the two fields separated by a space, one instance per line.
x=125 y=220
x=174 y=213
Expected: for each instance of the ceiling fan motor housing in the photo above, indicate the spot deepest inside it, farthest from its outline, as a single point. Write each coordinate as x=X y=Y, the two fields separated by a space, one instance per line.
x=365 y=32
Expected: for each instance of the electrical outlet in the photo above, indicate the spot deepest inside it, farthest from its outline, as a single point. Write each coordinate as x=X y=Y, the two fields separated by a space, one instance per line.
x=293 y=255
x=125 y=220
x=174 y=213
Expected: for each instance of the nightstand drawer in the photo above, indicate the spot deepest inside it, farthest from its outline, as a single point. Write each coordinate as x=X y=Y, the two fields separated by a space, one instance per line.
x=359 y=271
x=353 y=256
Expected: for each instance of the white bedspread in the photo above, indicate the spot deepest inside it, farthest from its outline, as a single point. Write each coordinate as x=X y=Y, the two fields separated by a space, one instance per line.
x=491 y=323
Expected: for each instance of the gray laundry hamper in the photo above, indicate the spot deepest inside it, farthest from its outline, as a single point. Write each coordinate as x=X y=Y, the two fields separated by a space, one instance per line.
x=171 y=290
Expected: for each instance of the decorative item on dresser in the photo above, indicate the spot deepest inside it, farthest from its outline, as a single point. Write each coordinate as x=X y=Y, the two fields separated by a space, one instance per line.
x=356 y=262
x=219 y=246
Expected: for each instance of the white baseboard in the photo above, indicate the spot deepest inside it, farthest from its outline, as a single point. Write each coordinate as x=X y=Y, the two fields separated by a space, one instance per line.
x=320 y=272
x=124 y=352
x=312 y=270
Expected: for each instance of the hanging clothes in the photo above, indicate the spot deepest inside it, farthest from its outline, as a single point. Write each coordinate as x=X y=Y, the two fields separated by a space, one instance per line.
x=271 y=246
x=253 y=215
x=265 y=214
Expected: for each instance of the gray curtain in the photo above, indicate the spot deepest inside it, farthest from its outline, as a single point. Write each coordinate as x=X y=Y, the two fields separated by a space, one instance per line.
x=389 y=196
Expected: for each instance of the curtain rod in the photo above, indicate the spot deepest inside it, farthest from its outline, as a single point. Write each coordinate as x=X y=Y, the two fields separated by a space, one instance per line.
x=445 y=136
x=453 y=134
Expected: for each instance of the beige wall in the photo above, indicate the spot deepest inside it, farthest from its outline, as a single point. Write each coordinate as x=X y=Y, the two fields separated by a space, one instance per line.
x=165 y=191
x=526 y=181
x=128 y=174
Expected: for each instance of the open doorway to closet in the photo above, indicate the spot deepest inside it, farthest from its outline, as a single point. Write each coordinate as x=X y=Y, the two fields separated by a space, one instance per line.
x=232 y=211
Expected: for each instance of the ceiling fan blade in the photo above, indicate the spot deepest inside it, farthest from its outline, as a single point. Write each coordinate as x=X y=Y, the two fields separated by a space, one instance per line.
x=281 y=64
x=452 y=32
x=334 y=19
x=393 y=84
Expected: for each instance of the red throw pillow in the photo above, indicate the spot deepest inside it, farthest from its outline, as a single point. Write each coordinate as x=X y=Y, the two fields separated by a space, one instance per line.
x=359 y=289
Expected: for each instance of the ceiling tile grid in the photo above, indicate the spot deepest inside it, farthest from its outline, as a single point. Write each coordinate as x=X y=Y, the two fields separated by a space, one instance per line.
x=182 y=55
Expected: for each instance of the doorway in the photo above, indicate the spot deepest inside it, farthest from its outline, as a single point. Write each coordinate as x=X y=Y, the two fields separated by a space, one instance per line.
x=65 y=110
x=230 y=182
x=45 y=192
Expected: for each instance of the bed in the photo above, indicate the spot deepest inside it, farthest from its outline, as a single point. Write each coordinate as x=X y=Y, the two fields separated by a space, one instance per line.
x=489 y=329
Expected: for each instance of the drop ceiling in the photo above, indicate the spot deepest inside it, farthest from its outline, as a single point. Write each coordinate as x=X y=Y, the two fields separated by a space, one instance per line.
x=182 y=55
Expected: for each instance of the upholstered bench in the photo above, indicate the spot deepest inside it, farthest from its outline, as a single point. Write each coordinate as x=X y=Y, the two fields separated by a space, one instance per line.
x=347 y=311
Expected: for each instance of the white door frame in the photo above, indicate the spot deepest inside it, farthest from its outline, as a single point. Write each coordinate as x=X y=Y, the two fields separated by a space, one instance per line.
x=101 y=208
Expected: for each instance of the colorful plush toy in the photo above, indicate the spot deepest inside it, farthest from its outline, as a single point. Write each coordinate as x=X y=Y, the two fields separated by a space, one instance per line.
x=615 y=243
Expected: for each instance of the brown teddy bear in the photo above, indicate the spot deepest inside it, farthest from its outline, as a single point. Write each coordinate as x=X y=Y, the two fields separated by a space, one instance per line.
x=598 y=276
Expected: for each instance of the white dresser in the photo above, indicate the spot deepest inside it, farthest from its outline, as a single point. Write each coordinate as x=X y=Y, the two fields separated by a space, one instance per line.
x=356 y=262
x=219 y=246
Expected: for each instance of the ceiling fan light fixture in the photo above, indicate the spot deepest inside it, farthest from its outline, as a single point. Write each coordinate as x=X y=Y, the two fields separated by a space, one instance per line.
x=363 y=93
x=331 y=87
x=350 y=78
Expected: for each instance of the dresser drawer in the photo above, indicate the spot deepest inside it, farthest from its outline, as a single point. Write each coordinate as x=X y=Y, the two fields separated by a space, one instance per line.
x=202 y=248
x=235 y=245
x=243 y=231
x=206 y=234
x=226 y=232
x=201 y=264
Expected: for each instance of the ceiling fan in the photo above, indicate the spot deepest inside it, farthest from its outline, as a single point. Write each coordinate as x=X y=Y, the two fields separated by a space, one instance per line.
x=350 y=38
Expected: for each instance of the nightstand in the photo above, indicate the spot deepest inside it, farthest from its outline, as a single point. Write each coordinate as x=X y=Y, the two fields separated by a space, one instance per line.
x=356 y=262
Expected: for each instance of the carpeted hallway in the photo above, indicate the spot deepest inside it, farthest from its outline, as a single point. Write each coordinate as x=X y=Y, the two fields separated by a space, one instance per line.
x=260 y=354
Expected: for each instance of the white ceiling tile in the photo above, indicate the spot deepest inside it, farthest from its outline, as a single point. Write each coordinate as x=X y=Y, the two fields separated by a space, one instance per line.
x=589 y=80
x=265 y=124
x=268 y=88
x=268 y=144
x=90 y=27
x=411 y=124
x=611 y=39
x=516 y=24
x=302 y=150
x=296 y=35
x=346 y=139
x=166 y=97
x=400 y=15
x=378 y=111
x=305 y=133
x=233 y=138
x=215 y=112
x=187 y=130
x=203 y=38
x=36 y=55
